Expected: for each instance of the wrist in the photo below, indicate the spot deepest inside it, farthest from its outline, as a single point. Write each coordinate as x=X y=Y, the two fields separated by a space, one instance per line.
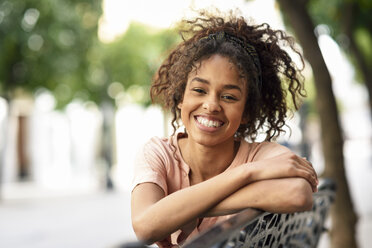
x=248 y=173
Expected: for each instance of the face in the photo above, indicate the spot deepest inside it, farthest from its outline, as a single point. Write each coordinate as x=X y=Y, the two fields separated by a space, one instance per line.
x=213 y=102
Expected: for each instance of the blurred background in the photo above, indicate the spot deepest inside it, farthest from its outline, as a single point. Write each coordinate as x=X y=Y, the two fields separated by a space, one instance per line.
x=75 y=108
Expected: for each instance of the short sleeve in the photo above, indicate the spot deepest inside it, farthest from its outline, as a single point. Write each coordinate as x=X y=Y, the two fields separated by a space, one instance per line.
x=267 y=150
x=149 y=166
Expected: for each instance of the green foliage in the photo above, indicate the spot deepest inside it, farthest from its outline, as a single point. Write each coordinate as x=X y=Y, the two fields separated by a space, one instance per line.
x=364 y=40
x=54 y=45
x=347 y=20
x=133 y=59
x=45 y=44
x=326 y=12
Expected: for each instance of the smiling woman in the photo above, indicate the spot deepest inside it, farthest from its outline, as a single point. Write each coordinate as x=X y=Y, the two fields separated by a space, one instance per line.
x=223 y=82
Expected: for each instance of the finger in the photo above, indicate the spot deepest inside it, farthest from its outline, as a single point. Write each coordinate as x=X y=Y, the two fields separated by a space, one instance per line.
x=313 y=172
x=305 y=162
x=304 y=158
x=310 y=178
x=303 y=168
x=307 y=169
x=310 y=164
x=307 y=165
x=315 y=189
x=314 y=178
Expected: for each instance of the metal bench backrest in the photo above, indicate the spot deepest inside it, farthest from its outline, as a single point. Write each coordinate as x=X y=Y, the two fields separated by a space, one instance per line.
x=253 y=228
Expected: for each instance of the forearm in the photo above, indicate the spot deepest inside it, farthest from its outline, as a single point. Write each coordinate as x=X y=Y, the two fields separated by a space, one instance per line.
x=175 y=210
x=274 y=195
x=278 y=188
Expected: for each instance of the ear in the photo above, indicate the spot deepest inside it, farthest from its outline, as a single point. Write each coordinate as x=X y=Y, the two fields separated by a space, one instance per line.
x=244 y=120
x=179 y=105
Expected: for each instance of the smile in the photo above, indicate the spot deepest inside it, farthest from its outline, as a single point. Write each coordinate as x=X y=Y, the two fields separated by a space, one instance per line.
x=208 y=122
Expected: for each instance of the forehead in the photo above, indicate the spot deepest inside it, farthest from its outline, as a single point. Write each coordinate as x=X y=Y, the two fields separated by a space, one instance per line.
x=218 y=68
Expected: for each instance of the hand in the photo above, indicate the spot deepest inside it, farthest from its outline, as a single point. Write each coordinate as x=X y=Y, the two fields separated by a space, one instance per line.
x=186 y=230
x=284 y=165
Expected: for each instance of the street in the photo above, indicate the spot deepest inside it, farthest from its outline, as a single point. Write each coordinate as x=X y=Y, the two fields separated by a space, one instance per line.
x=95 y=219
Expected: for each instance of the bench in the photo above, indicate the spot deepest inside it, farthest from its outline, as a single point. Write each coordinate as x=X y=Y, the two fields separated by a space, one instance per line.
x=254 y=228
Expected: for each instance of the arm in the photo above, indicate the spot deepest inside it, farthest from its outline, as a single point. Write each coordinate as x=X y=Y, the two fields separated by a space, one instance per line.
x=155 y=216
x=274 y=195
x=284 y=195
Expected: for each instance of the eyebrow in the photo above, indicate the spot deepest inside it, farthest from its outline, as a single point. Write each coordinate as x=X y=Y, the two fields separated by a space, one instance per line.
x=227 y=86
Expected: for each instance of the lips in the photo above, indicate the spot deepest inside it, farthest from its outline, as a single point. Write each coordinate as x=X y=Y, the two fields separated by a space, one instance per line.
x=208 y=122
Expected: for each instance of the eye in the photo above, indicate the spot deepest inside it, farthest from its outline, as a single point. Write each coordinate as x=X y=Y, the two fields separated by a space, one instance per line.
x=229 y=98
x=199 y=90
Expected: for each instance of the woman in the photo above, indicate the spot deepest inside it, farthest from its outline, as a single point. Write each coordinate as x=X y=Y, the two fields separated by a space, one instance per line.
x=224 y=82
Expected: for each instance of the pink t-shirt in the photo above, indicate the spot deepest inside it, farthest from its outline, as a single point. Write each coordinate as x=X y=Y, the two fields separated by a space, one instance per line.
x=156 y=163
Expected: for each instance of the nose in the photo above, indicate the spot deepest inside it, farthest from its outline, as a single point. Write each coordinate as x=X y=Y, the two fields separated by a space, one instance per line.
x=212 y=105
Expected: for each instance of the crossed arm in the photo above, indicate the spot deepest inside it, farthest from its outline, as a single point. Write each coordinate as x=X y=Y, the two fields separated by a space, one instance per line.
x=283 y=183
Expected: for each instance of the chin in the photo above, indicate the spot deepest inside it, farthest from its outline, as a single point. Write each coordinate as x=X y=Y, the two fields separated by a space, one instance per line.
x=212 y=141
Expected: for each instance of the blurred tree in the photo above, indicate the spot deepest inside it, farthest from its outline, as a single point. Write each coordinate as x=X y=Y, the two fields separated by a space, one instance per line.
x=133 y=58
x=350 y=23
x=45 y=44
x=126 y=65
x=54 y=45
x=343 y=216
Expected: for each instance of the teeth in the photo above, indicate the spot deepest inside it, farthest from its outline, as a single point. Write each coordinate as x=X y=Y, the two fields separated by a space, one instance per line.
x=208 y=123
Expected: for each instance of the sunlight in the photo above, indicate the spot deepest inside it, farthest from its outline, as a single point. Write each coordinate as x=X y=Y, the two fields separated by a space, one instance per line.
x=164 y=13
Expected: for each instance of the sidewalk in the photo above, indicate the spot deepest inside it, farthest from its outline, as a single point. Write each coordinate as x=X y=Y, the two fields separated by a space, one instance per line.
x=66 y=220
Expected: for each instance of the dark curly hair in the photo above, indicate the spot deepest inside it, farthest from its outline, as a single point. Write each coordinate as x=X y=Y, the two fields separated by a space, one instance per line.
x=266 y=105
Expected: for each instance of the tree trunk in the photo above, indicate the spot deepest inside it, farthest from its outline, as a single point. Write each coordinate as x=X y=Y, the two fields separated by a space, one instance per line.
x=362 y=64
x=349 y=11
x=342 y=212
x=108 y=113
x=3 y=142
x=23 y=167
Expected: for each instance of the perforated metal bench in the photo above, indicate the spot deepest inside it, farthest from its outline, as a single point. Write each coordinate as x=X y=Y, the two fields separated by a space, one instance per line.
x=254 y=228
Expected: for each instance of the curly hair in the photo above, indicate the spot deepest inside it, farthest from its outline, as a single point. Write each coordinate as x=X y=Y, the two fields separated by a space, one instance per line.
x=266 y=104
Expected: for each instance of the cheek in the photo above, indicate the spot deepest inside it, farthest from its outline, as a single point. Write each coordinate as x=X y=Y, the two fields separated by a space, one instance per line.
x=181 y=109
x=238 y=116
x=243 y=116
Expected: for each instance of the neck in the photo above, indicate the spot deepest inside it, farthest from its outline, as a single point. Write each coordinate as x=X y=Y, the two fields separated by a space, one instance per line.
x=206 y=162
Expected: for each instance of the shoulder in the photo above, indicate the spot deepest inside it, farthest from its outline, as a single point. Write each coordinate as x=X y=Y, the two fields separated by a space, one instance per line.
x=267 y=149
x=158 y=148
x=157 y=143
x=160 y=144
x=152 y=163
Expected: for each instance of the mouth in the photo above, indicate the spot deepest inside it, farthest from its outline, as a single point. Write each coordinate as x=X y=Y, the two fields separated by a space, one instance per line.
x=207 y=122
